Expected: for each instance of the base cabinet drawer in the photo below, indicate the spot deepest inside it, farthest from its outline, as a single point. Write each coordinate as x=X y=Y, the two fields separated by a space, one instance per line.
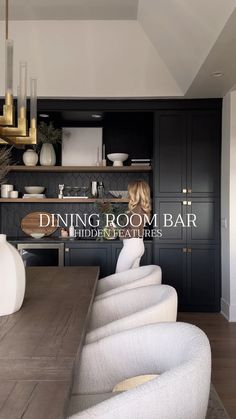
x=89 y=255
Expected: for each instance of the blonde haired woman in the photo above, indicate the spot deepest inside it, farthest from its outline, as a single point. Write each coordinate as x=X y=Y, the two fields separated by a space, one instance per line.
x=139 y=211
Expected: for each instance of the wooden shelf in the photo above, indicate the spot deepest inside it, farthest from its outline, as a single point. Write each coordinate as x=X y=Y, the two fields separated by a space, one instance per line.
x=57 y=200
x=100 y=169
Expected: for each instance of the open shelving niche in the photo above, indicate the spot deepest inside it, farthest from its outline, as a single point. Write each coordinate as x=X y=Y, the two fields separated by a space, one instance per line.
x=64 y=200
x=82 y=169
x=109 y=169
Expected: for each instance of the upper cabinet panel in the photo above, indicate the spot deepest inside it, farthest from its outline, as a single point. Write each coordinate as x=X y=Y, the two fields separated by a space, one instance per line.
x=170 y=153
x=187 y=153
x=203 y=161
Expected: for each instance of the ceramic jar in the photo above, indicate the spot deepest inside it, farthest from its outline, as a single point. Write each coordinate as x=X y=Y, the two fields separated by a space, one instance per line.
x=47 y=155
x=6 y=190
x=30 y=158
x=12 y=278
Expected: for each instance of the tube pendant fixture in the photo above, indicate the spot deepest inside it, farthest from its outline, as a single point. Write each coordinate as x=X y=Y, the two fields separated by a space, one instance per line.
x=17 y=134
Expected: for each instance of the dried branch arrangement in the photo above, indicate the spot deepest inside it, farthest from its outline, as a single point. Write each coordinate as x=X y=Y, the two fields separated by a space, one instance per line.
x=5 y=161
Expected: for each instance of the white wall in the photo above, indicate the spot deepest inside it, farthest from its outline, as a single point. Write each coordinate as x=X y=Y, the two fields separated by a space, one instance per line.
x=228 y=207
x=89 y=59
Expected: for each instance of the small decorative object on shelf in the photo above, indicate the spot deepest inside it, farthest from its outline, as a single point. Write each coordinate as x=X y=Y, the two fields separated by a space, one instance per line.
x=141 y=162
x=12 y=278
x=61 y=189
x=104 y=162
x=30 y=158
x=14 y=194
x=117 y=158
x=94 y=188
x=5 y=190
x=110 y=231
x=72 y=231
x=48 y=136
x=64 y=233
x=98 y=162
x=100 y=190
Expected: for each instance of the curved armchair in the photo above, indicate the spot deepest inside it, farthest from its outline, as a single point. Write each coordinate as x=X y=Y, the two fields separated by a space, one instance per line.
x=133 y=278
x=132 y=308
x=178 y=352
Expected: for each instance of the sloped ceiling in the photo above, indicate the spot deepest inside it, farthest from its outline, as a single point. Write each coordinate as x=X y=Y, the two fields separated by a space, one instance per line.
x=184 y=32
x=181 y=42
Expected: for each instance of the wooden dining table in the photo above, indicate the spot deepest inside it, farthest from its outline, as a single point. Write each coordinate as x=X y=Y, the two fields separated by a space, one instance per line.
x=40 y=344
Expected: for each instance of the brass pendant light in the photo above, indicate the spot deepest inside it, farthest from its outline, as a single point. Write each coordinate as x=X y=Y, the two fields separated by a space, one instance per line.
x=17 y=135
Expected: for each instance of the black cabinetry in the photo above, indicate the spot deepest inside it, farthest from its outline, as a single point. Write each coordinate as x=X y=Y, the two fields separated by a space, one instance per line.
x=194 y=272
x=103 y=254
x=186 y=175
x=186 y=180
x=187 y=153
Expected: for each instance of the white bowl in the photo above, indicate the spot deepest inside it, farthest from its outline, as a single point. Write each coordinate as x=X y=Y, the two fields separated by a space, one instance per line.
x=118 y=158
x=118 y=194
x=37 y=235
x=34 y=189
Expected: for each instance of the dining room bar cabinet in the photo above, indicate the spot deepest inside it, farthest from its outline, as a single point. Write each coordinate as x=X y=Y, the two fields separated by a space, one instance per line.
x=183 y=140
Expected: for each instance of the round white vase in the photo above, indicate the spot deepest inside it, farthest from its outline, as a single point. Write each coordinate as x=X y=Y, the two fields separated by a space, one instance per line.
x=47 y=155
x=12 y=278
x=30 y=158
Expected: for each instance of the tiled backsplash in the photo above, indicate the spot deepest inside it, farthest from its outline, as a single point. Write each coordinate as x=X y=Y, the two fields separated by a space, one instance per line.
x=12 y=213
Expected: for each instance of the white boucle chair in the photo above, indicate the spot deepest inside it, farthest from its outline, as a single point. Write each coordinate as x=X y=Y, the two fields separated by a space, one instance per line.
x=133 y=278
x=132 y=308
x=178 y=352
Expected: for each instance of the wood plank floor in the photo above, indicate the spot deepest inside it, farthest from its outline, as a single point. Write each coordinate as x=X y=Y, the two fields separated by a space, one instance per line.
x=222 y=336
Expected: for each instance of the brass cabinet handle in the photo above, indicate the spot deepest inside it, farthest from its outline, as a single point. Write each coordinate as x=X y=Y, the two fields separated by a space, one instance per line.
x=189 y=203
x=185 y=250
x=189 y=190
x=184 y=202
x=67 y=249
x=184 y=190
x=189 y=250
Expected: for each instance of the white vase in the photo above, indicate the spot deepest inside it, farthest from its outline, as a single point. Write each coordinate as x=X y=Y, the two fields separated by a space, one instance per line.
x=30 y=158
x=47 y=155
x=12 y=278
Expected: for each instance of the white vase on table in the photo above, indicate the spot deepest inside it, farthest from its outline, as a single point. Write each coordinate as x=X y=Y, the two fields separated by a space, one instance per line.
x=47 y=155
x=12 y=278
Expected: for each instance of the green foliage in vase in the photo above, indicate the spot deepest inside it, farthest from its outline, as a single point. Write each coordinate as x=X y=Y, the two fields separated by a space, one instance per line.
x=47 y=133
x=103 y=208
x=5 y=161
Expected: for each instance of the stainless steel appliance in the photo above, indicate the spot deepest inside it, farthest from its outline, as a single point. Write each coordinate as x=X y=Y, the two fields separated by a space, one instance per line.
x=42 y=254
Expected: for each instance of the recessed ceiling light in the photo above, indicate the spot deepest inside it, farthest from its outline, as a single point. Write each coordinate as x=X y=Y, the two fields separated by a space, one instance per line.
x=217 y=74
x=96 y=116
x=44 y=115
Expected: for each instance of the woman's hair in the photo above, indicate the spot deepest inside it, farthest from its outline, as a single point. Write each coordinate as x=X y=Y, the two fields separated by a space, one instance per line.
x=139 y=194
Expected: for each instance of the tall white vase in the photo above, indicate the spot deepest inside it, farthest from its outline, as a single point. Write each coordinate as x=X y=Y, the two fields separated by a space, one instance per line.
x=12 y=278
x=47 y=155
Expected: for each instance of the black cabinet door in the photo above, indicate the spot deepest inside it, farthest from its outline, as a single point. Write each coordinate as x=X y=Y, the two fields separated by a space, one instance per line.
x=171 y=216
x=170 y=153
x=203 y=272
x=89 y=254
x=172 y=260
x=203 y=157
x=187 y=153
x=207 y=230
x=194 y=272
